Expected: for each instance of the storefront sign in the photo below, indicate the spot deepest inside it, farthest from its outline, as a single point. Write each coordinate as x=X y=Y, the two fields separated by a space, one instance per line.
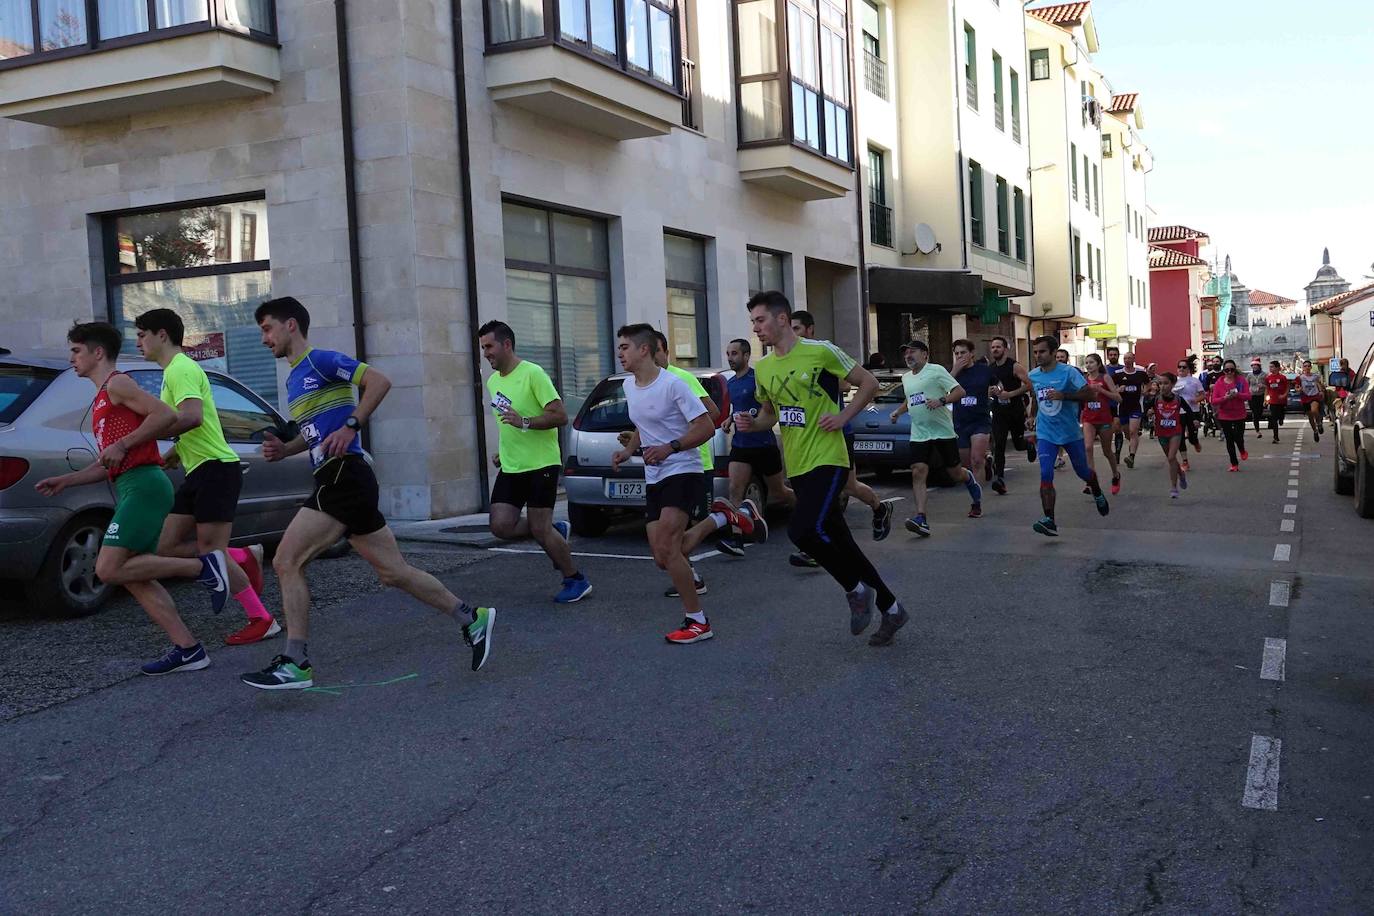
x=1102 y=331
x=209 y=350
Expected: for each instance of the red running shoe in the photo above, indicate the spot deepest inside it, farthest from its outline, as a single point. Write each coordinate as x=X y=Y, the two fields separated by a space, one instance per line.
x=690 y=632
x=1116 y=485
x=734 y=518
x=1183 y=464
x=1244 y=455
x=975 y=510
x=1233 y=469
x=258 y=629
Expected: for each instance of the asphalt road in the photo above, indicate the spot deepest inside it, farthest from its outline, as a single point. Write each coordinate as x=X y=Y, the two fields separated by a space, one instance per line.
x=1071 y=725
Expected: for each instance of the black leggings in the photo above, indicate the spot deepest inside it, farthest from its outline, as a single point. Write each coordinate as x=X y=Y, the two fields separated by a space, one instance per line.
x=1190 y=421
x=1257 y=410
x=1276 y=412
x=1234 y=431
x=1006 y=422
x=818 y=528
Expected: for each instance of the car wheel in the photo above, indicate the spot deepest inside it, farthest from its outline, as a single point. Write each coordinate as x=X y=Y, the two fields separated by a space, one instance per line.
x=67 y=585
x=587 y=521
x=757 y=490
x=1364 y=494
x=1342 y=478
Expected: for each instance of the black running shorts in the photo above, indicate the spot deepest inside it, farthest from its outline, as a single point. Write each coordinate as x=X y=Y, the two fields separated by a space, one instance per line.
x=537 y=489
x=346 y=490
x=936 y=453
x=681 y=491
x=210 y=493
x=765 y=459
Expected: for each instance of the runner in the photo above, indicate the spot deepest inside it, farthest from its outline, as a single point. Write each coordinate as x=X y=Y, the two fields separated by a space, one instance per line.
x=803 y=325
x=972 y=412
x=1229 y=394
x=529 y=414
x=126 y=422
x=1008 y=409
x=798 y=384
x=1256 y=384
x=1097 y=417
x=319 y=394
x=202 y=516
x=1275 y=396
x=1056 y=425
x=1191 y=392
x=753 y=452
x=929 y=389
x=1131 y=381
x=1312 y=393
x=1168 y=418
x=671 y=424
x=1114 y=369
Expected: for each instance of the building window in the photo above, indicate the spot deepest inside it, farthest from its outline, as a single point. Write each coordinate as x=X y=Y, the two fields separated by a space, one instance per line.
x=1003 y=218
x=971 y=66
x=1106 y=146
x=879 y=213
x=1097 y=196
x=208 y=263
x=1073 y=169
x=766 y=270
x=558 y=295
x=975 y=201
x=1131 y=299
x=1101 y=275
x=875 y=68
x=1019 y=212
x=998 y=118
x=1083 y=106
x=1015 y=106
x=1077 y=266
x=1091 y=276
x=1040 y=64
x=684 y=270
x=639 y=36
x=1087 y=190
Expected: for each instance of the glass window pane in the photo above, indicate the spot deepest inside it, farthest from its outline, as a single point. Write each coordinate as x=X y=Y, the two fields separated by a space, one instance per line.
x=579 y=241
x=529 y=312
x=760 y=111
x=684 y=259
x=218 y=313
x=637 y=33
x=249 y=14
x=196 y=237
x=584 y=310
x=61 y=23
x=572 y=19
x=16 y=29
x=180 y=12
x=603 y=25
x=841 y=150
x=683 y=333
x=662 y=24
x=121 y=17
x=758 y=37
x=804 y=62
x=769 y=271
x=242 y=418
x=526 y=233
x=513 y=20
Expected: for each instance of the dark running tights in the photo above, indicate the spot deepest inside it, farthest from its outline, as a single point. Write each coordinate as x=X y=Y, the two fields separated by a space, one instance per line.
x=1234 y=431
x=818 y=528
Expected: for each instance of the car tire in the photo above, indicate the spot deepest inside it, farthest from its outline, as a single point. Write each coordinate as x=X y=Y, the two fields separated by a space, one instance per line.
x=587 y=521
x=1342 y=477
x=1364 y=486
x=66 y=585
x=757 y=490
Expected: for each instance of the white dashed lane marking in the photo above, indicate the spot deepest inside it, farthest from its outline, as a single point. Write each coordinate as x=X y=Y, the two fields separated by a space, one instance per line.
x=1282 y=552
x=1262 y=776
x=1286 y=524
x=1292 y=494
x=1290 y=509
x=1272 y=663
x=1279 y=590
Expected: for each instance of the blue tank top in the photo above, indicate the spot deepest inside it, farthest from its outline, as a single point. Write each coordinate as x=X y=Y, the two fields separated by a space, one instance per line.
x=743 y=400
x=973 y=407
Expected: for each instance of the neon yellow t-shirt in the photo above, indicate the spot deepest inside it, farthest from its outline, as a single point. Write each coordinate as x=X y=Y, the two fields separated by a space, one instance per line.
x=527 y=390
x=183 y=379
x=708 y=459
x=802 y=386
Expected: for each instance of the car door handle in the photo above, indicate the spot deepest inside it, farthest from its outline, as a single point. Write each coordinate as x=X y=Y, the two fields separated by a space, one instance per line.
x=245 y=467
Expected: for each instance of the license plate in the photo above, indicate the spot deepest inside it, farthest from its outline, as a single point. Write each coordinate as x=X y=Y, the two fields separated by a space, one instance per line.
x=872 y=445
x=624 y=489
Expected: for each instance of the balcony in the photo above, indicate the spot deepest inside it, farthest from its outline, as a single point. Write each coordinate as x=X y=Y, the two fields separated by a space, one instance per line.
x=795 y=172
x=875 y=74
x=879 y=224
x=971 y=93
x=85 y=69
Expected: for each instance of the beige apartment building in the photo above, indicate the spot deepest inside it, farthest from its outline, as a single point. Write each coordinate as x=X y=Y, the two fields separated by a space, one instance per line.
x=1126 y=161
x=409 y=168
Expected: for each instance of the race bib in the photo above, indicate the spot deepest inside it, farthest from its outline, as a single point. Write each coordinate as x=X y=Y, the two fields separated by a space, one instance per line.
x=969 y=401
x=1130 y=388
x=916 y=400
x=1167 y=422
x=792 y=416
x=500 y=402
x=1094 y=405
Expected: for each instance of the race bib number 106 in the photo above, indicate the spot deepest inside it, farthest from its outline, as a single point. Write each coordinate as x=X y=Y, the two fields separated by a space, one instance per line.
x=792 y=416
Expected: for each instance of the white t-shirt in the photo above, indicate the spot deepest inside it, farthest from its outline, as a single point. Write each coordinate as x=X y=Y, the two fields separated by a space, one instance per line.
x=662 y=411
x=1190 y=389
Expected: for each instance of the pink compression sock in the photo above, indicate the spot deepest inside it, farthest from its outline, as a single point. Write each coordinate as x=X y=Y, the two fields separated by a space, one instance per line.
x=252 y=604
x=237 y=554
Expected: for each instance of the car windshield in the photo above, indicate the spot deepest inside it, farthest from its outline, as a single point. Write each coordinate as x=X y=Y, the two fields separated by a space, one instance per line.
x=889 y=390
x=606 y=410
x=19 y=385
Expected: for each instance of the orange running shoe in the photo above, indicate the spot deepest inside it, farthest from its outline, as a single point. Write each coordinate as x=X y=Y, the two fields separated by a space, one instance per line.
x=690 y=632
x=258 y=629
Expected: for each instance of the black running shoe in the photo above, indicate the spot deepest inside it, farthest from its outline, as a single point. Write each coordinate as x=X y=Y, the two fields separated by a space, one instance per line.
x=888 y=626
x=999 y=486
x=672 y=591
x=731 y=544
x=803 y=560
x=478 y=635
x=751 y=509
x=882 y=521
x=861 y=609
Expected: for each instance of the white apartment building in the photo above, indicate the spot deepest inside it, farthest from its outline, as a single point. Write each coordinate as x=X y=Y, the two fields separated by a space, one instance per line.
x=1126 y=161
x=1067 y=96
x=567 y=167
x=945 y=148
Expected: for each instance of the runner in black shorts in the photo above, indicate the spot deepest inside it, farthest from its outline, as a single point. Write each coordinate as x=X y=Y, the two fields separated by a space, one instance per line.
x=320 y=397
x=1008 y=400
x=1131 y=382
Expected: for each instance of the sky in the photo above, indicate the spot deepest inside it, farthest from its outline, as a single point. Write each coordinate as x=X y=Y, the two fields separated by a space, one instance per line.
x=1260 y=115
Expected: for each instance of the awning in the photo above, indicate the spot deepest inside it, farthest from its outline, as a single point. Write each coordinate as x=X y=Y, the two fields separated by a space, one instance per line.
x=954 y=289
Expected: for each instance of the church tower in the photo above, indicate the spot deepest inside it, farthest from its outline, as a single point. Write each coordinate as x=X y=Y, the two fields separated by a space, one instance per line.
x=1326 y=283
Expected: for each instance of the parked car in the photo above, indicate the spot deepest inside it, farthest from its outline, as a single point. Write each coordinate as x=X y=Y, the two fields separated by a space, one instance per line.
x=881 y=446
x=1352 y=431
x=597 y=494
x=50 y=545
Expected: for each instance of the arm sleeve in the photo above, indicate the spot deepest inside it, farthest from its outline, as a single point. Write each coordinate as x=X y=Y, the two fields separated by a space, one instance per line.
x=836 y=360
x=335 y=365
x=544 y=391
x=688 y=401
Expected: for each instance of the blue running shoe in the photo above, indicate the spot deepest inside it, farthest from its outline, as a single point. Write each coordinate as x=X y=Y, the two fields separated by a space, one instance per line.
x=564 y=529
x=214 y=575
x=575 y=588
x=1101 y=500
x=1182 y=480
x=1047 y=527
x=178 y=659
x=918 y=525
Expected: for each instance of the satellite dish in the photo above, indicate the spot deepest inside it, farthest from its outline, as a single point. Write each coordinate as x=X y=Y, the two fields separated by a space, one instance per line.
x=925 y=238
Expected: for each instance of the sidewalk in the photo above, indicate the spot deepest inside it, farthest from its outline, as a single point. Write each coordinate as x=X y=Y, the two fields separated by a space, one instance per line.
x=468 y=530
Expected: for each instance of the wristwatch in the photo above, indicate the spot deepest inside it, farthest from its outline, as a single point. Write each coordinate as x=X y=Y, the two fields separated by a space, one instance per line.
x=353 y=424
x=525 y=423
x=676 y=445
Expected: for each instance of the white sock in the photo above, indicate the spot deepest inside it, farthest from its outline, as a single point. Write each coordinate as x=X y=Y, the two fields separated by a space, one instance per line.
x=719 y=519
x=858 y=590
x=699 y=616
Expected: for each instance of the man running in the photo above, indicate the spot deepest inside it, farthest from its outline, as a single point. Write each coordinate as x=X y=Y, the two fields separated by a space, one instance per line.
x=1275 y=396
x=929 y=389
x=1312 y=393
x=1008 y=408
x=804 y=325
x=202 y=516
x=1131 y=381
x=1057 y=426
x=319 y=394
x=972 y=412
x=798 y=385
x=1256 y=383
x=753 y=452
x=1113 y=369
x=529 y=412
x=670 y=424
x=126 y=422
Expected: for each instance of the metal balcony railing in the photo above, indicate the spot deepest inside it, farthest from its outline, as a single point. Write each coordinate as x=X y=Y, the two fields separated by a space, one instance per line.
x=971 y=93
x=879 y=224
x=875 y=74
x=689 y=84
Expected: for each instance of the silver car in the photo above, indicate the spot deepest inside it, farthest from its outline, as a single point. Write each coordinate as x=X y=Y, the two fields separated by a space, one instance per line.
x=48 y=546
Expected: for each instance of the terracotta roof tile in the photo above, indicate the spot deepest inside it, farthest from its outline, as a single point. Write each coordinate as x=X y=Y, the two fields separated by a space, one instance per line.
x=1174 y=234
x=1122 y=103
x=1336 y=304
x=1260 y=297
x=1163 y=258
x=1063 y=14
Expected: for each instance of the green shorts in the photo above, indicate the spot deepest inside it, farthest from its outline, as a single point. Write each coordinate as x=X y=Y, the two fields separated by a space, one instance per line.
x=143 y=499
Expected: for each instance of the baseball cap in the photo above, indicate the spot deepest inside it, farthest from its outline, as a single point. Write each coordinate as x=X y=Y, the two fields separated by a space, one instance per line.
x=915 y=345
